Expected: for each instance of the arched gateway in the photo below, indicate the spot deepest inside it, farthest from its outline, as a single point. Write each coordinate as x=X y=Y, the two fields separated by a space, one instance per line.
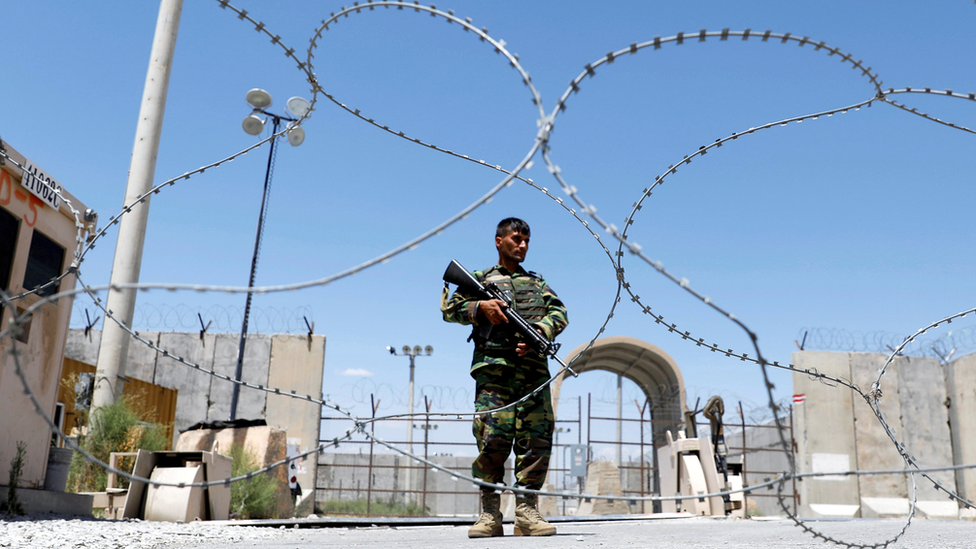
x=653 y=370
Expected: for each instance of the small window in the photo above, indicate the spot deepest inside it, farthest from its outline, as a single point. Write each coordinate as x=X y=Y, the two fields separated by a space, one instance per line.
x=9 y=225
x=43 y=263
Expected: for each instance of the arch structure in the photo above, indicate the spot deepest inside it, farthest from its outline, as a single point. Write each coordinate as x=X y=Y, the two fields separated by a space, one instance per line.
x=652 y=369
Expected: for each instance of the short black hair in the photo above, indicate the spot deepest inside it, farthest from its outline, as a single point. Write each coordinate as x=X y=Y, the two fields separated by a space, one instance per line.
x=512 y=225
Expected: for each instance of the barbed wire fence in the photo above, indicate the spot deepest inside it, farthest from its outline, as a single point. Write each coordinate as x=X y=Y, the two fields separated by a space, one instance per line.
x=212 y=318
x=575 y=205
x=955 y=343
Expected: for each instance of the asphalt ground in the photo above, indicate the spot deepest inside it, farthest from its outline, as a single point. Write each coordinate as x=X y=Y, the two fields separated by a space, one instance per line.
x=690 y=532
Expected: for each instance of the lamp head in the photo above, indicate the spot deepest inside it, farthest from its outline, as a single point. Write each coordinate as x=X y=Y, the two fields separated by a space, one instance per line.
x=296 y=136
x=258 y=98
x=298 y=106
x=253 y=124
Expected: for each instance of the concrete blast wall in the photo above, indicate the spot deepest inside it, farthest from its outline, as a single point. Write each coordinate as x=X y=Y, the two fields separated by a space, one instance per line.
x=837 y=430
x=961 y=403
x=289 y=363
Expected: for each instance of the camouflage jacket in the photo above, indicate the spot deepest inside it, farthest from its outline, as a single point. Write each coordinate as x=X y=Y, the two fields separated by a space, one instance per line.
x=533 y=299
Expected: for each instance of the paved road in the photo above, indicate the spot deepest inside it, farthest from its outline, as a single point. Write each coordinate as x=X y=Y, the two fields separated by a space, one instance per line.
x=656 y=533
x=681 y=533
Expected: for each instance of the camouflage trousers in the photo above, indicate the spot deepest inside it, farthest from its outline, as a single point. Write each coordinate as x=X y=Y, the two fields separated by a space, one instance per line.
x=526 y=428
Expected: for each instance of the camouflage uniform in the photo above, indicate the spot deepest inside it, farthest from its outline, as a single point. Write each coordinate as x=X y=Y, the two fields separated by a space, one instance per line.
x=502 y=377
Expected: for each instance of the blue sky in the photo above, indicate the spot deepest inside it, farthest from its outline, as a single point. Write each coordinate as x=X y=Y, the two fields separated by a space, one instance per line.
x=858 y=221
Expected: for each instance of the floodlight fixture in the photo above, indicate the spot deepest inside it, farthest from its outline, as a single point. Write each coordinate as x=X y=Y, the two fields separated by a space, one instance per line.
x=296 y=136
x=258 y=98
x=298 y=106
x=253 y=124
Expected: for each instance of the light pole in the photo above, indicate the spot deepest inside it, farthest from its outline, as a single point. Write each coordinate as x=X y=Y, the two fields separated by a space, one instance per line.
x=412 y=353
x=253 y=124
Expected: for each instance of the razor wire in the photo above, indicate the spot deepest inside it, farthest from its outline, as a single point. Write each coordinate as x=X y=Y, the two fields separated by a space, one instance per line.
x=546 y=124
x=957 y=342
x=212 y=318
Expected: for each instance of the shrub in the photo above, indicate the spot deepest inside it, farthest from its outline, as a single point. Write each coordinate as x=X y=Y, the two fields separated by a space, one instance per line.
x=254 y=498
x=116 y=428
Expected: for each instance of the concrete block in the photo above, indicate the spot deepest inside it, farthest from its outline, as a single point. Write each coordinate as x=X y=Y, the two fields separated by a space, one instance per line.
x=943 y=510
x=834 y=510
x=766 y=456
x=603 y=478
x=42 y=501
x=141 y=361
x=266 y=443
x=884 y=507
x=296 y=365
x=257 y=358
x=875 y=450
x=961 y=401
x=83 y=348
x=449 y=495
x=193 y=385
x=824 y=433
x=925 y=424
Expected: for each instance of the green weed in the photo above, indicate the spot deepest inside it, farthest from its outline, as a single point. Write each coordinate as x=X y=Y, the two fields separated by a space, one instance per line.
x=255 y=498
x=12 y=505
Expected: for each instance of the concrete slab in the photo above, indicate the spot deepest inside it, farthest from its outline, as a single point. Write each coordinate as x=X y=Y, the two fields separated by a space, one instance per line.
x=44 y=501
x=824 y=433
x=81 y=347
x=925 y=425
x=257 y=357
x=141 y=363
x=602 y=478
x=296 y=365
x=961 y=403
x=885 y=507
x=945 y=510
x=193 y=385
x=875 y=451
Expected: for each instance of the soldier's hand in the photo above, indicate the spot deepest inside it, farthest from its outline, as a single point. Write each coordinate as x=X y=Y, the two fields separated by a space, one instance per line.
x=523 y=348
x=494 y=311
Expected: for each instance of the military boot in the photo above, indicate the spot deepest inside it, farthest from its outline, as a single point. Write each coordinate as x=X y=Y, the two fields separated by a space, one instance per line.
x=528 y=520
x=489 y=523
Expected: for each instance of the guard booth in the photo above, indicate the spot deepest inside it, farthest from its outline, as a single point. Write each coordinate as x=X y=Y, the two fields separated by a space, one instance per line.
x=38 y=239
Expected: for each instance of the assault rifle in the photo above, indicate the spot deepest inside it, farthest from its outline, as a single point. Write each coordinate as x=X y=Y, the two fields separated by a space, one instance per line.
x=467 y=283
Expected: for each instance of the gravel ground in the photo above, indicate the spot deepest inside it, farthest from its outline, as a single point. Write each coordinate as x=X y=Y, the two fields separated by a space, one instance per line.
x=53 y=532
x=693 y=532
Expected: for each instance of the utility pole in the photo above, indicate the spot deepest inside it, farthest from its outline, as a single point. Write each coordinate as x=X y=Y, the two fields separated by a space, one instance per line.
x=114 y=347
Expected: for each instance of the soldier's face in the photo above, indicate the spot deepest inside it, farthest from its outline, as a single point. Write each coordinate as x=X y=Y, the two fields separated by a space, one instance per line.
x=512 y=246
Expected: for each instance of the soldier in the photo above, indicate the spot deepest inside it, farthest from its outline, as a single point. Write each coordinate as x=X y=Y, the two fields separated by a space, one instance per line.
x=506 y=369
